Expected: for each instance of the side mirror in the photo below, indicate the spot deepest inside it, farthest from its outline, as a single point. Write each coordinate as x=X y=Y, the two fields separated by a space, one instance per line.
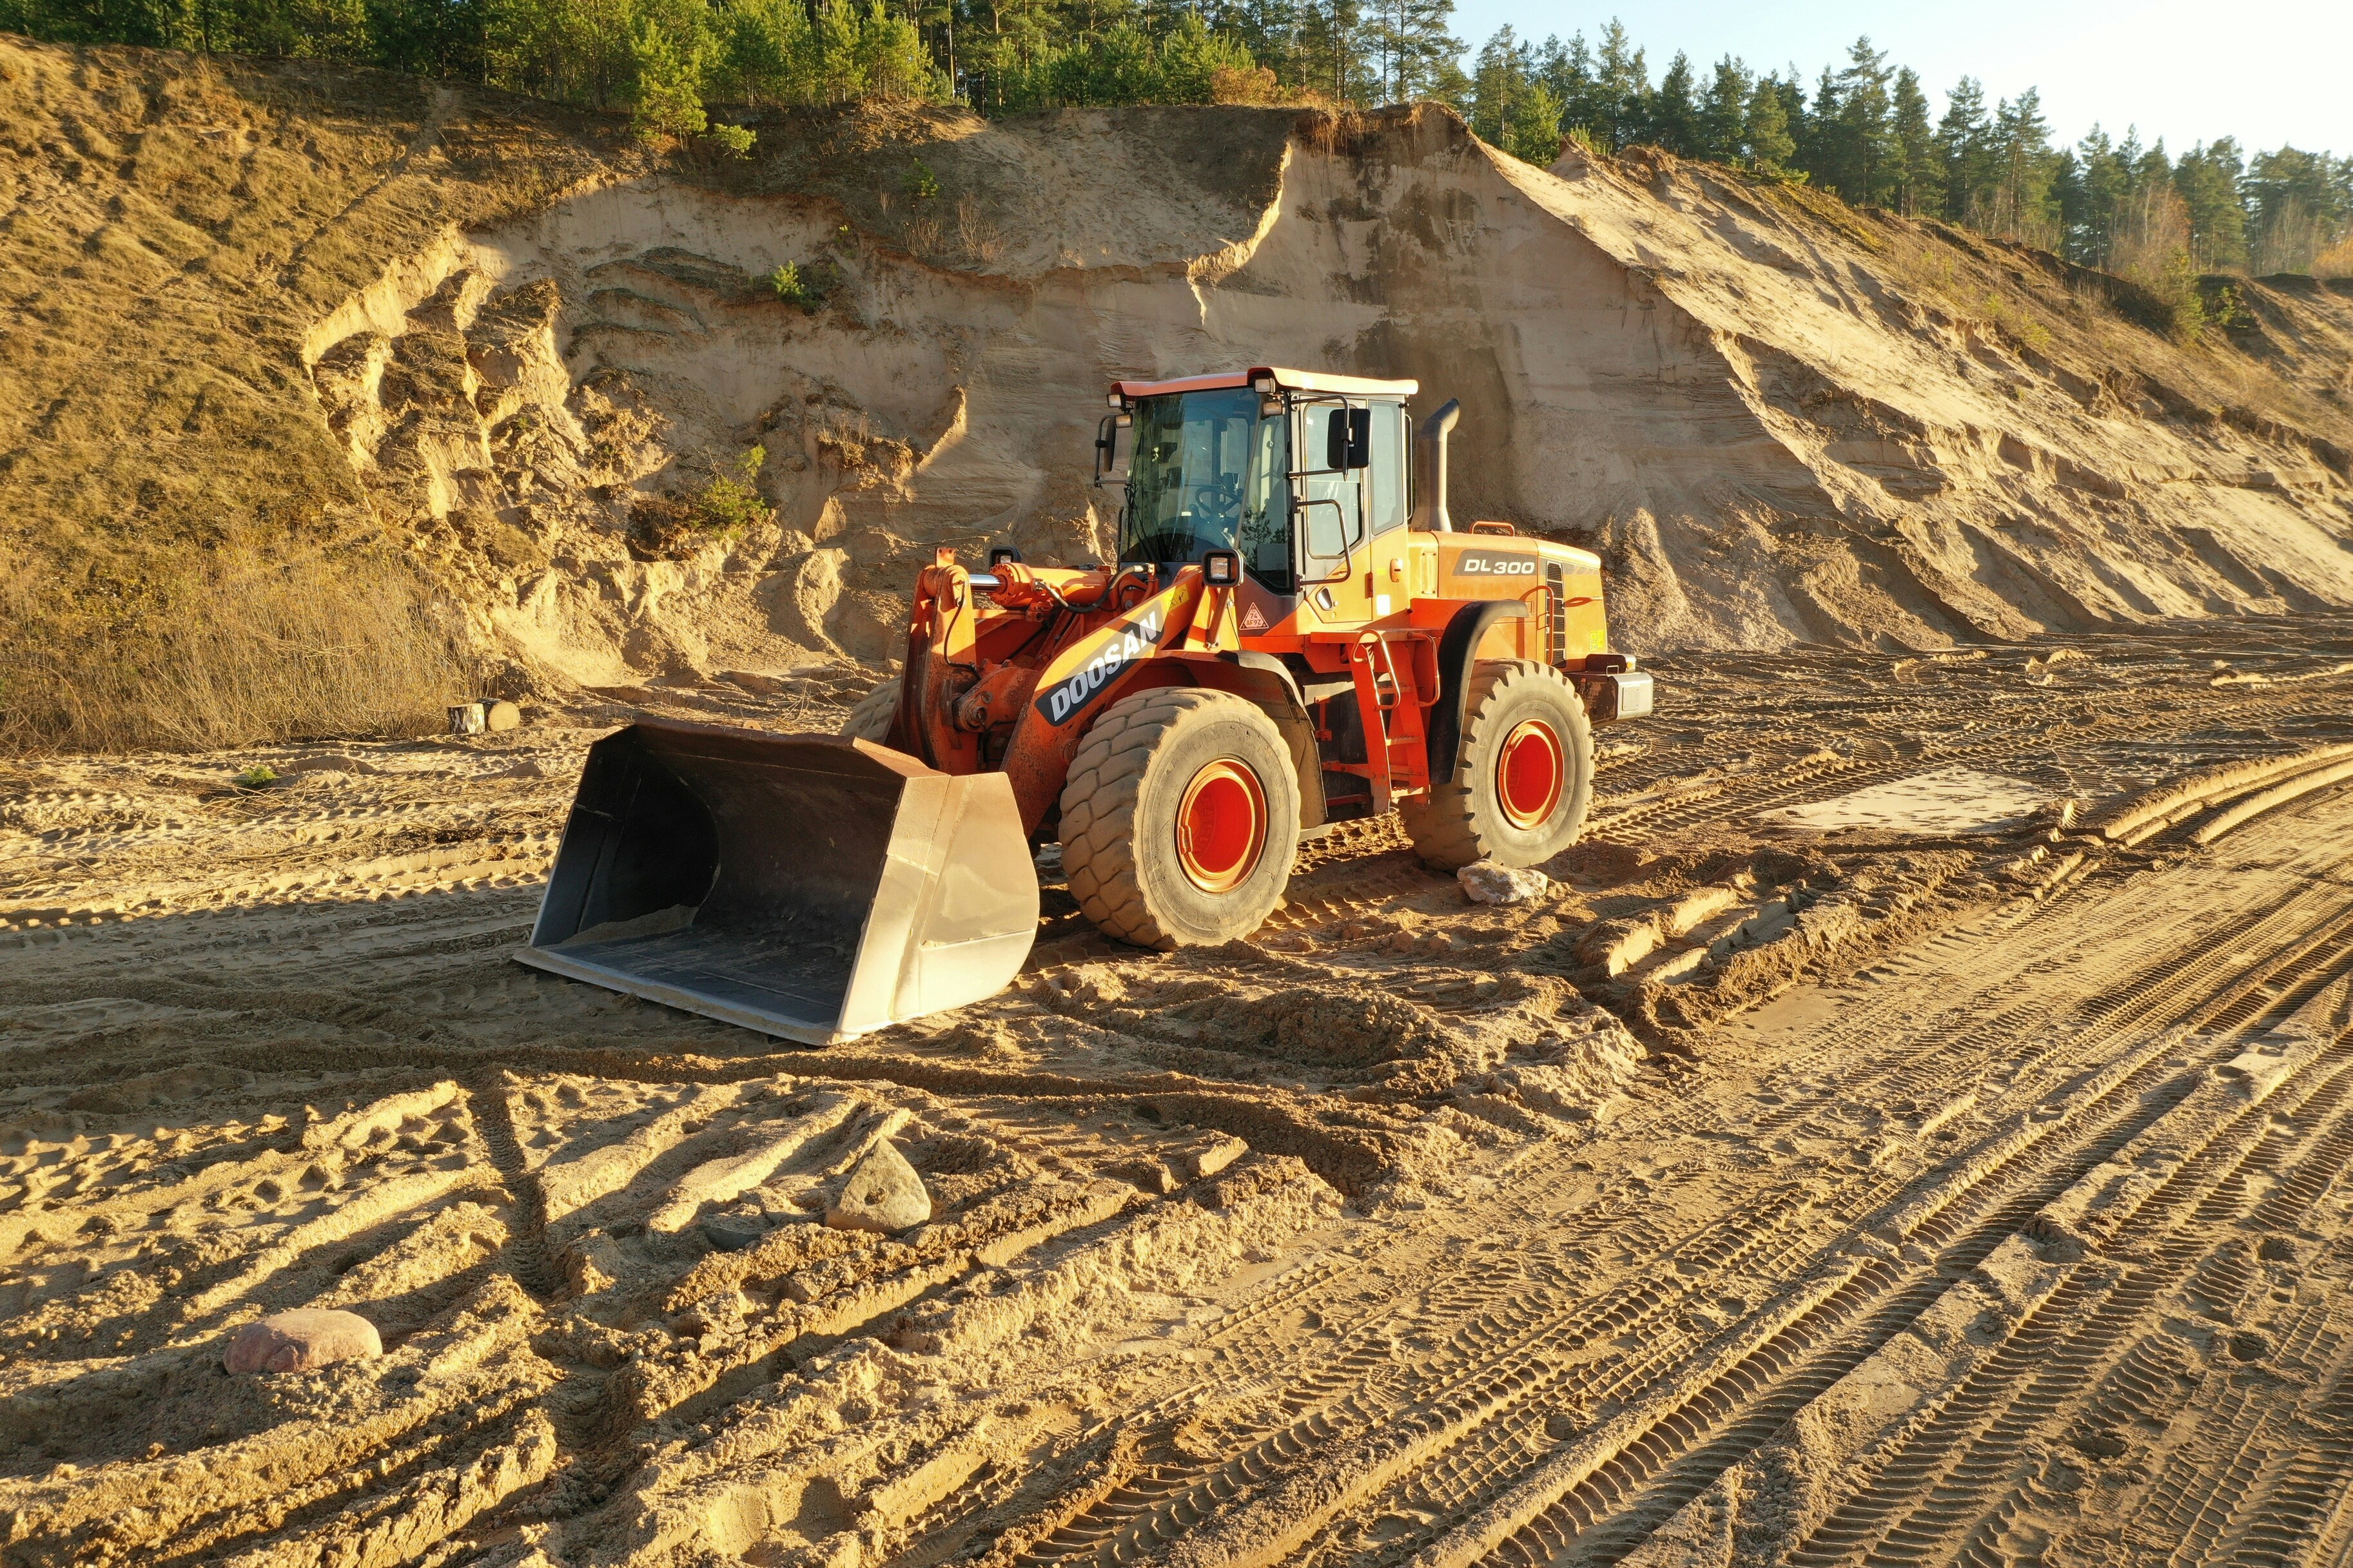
x=1349 y=441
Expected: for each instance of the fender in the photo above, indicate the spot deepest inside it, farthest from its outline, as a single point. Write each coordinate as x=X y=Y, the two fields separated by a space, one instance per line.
x=1262 y=679
x=1088 y=670
x=1458 y=649
x=1118 y=657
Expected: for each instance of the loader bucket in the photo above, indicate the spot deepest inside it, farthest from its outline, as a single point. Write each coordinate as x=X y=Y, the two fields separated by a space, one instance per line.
x=800 y=885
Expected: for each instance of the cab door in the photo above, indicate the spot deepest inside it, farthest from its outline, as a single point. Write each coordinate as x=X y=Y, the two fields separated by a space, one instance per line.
x=1389 y=564
x=1333 y=436
x=1355 y=546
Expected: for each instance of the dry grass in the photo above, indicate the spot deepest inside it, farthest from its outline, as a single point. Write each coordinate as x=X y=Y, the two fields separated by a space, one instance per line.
x=241 y=651
x=158 y=432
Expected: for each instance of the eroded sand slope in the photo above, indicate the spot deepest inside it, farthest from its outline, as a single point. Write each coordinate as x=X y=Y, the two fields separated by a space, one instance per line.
x=492 y=330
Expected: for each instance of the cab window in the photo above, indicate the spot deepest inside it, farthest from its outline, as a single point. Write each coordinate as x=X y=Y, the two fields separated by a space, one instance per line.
x=1388 y=477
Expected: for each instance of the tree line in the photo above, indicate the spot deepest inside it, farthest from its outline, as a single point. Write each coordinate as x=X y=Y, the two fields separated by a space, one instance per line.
x=1863 y=129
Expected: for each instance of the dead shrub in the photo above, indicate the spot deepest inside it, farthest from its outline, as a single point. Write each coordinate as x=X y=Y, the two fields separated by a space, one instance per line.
x=239 y=650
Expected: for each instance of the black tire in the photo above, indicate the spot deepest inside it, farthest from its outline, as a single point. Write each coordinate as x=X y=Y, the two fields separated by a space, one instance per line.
x=870 y=718
x=1149 y=759
x=1468 y=819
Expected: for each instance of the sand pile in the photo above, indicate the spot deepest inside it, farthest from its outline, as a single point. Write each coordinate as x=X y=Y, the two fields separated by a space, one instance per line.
x=303 y=311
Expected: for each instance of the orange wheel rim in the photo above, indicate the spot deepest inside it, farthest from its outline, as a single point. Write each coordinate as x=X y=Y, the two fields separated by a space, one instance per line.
x=1221 y=826
x=1529 y=775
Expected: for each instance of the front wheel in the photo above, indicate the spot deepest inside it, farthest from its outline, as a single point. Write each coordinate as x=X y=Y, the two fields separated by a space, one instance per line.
x=1180 y=818
x=1523 y=778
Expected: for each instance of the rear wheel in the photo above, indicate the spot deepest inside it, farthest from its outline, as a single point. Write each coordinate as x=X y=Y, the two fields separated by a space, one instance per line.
x=1523 y=778
x=870 y=718
x=1180 y=818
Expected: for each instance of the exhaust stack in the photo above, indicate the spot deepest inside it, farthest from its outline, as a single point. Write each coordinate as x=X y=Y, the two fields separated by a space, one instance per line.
x=1429 y=470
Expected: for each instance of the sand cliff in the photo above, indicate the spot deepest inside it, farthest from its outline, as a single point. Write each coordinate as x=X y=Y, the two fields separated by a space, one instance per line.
x=295 y=310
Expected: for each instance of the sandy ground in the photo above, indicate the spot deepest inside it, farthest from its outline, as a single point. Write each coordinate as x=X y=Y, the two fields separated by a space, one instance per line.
x=1881 y=1143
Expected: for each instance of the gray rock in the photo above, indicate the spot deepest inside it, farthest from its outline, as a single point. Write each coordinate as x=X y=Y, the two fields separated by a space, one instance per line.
x=883 y=1193
x=733 y=1233
x=1484 y=882
x=301 y=1340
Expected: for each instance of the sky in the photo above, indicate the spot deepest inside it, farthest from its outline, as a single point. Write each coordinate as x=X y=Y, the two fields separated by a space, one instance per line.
x=2267 y=71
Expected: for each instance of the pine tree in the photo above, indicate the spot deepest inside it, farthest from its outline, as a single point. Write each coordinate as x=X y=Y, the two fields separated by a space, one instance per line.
x=1866 y=143
x=1413 y=48
x=1723 y=112
x=1501 y=77
x=1918 y=182
x=1567 y=70
x=2020 y=206
x=1816 y=131
x=668 y=90
x=1534 y=133
x=1770 y=146
x=1672 y=117
x=762 y=51
x=2090 y=187
x=1965 y=148
x=1620 y=91
x=2208 y=179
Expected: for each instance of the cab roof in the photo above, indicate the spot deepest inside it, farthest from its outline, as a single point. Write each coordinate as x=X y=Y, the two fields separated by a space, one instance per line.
x=1289 y=379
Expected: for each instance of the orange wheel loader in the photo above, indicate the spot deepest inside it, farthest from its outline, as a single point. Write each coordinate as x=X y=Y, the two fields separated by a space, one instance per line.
x=1294 y=634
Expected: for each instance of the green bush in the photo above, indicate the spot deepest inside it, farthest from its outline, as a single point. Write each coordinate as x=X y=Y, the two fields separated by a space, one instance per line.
x=720 y=512
x=731 y=503
x=804 y=286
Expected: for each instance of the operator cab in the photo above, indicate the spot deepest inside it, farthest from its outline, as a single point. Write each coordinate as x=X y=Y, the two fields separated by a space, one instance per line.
x=1290 y=470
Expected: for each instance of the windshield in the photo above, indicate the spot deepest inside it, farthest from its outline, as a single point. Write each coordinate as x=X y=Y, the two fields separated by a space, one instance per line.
x=1210 y=473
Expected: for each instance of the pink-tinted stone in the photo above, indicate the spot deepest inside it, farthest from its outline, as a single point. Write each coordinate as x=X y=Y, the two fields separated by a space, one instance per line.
x=305 y=1338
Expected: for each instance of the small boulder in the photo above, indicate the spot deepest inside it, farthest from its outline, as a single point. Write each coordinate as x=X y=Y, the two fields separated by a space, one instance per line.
x=299 y=1341
x=501 y=716
x=883 y=1193
x=1484 y=882
x=733 y=1233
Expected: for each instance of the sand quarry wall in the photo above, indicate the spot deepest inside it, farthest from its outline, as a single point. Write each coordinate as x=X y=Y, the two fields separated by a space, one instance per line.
x=315 y=308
